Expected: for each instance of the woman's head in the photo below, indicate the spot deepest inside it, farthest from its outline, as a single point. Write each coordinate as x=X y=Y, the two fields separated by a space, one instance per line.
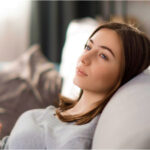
x=131 y=55
x=105 y=72
x=101 y=61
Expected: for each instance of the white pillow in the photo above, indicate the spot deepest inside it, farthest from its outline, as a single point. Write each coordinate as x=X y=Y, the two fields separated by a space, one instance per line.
x=125 y=121
x=77 y=34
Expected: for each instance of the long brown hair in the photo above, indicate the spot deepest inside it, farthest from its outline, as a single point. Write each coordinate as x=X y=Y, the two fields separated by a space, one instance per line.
x=136 y=58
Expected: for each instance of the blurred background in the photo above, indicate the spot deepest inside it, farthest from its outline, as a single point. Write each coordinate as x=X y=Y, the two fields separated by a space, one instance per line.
x=26 y=22
x=61 y=28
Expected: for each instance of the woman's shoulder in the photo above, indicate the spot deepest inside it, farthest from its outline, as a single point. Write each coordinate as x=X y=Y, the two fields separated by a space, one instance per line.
x=32 y=123
x=38 y=113
x=33 y=118
x=40 y=110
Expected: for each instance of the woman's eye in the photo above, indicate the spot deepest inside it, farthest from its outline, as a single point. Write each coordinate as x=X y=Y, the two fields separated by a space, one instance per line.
x=87 y=47
x=103 y=56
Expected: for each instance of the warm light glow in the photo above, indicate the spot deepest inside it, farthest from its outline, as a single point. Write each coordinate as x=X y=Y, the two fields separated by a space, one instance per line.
x=10 y=7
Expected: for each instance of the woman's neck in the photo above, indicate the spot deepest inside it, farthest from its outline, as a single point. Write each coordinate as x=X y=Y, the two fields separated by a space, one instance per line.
x=87 y=102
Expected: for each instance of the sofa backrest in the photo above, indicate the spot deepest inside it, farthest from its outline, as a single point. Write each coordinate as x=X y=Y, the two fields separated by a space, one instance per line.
x=125 y=121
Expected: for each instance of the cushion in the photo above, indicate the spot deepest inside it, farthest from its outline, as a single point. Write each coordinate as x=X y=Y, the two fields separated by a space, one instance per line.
x=125 y=120
x=78 y=33
x=29 y=82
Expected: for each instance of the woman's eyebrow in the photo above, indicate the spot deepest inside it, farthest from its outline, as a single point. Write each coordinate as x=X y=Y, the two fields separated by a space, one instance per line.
x=106 y=48
x=103 y=47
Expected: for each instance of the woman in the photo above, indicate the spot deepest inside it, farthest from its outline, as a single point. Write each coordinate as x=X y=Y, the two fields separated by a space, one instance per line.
x=113 y=54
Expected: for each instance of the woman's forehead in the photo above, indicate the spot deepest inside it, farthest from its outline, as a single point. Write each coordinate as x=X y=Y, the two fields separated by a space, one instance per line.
x=108 y=38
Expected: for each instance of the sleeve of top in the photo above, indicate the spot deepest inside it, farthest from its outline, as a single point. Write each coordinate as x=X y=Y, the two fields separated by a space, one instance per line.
x=78 y=143
x=3 y=143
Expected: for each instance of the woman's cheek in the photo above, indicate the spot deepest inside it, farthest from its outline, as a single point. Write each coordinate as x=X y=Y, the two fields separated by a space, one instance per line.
x=104 y=75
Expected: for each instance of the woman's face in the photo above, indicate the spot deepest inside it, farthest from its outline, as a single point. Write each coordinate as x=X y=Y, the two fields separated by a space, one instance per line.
x=98 y=68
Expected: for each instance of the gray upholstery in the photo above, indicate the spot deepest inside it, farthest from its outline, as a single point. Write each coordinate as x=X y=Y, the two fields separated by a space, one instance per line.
x=125 y=121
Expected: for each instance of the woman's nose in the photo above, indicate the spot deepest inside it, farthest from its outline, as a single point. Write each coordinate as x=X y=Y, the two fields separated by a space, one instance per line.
x=86 y=59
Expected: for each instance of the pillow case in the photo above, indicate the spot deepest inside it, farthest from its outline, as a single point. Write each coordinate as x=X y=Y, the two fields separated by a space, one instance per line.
x=125 y=121
x=29 y=82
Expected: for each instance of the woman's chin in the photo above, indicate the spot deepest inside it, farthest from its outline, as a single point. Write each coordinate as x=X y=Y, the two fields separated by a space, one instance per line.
x=75 y=82
x=78 y=83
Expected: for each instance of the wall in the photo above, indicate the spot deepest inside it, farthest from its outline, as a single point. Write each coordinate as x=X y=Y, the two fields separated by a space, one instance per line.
x=138 y=9
x=141 y=10
x=14 y=28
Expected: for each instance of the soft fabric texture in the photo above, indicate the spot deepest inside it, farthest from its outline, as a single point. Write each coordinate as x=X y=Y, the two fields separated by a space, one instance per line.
x=41 y=129
x=29 y=82
x=125 y=121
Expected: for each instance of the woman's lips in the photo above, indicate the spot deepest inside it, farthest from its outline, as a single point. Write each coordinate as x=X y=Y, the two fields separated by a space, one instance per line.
x=80 y=72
